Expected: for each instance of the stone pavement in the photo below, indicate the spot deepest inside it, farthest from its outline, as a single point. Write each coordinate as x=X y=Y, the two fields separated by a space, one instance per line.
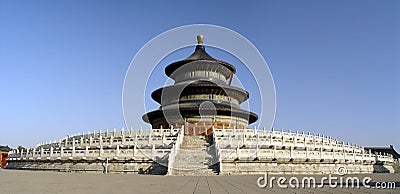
x=16 y=181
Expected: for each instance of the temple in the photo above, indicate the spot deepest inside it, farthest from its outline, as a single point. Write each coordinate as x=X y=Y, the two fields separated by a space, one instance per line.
x=201 y=97
x=200 y=129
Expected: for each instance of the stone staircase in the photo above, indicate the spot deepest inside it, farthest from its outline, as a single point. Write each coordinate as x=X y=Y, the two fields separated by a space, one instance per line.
x=195 y=157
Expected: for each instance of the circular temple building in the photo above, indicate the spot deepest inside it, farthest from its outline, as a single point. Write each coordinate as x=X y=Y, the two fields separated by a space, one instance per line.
x=201 y=97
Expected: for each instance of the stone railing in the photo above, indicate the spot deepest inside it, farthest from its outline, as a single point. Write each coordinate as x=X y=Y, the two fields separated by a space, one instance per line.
x=174 y=149
x=253 y=144
x=152 y=144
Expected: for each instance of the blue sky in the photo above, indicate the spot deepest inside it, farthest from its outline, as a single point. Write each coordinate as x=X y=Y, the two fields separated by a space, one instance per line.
x=336 y=64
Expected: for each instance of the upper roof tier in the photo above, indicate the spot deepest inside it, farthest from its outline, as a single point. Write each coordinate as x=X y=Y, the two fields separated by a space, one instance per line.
x=200 y=55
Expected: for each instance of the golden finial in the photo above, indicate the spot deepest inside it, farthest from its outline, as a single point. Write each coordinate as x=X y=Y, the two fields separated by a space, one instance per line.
x=200 y=39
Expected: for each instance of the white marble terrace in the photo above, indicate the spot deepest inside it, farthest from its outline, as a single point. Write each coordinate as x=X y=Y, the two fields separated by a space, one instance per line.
x=245 y=145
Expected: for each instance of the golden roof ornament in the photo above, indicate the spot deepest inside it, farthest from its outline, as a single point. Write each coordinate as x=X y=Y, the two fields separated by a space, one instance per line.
x=200 y=39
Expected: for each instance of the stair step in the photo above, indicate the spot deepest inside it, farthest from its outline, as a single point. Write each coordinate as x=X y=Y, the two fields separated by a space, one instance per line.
x=194 y=157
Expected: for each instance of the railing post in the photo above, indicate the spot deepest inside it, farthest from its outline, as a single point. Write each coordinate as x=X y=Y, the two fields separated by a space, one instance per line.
x=131 y=131
x=101 y=151
x=123 y=139
x=134 y=150
x=153 y=152
x=320 y=153
x=86 y=150
x=117 y=151
x=73 y=147
x=238 y=151
x=111 y=140
x=81 y=141
x=61 y=151
x=149 y=141
x=307 y=153
x=51 y=151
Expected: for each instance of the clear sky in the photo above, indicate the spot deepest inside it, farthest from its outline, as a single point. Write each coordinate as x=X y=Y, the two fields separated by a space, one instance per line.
x=336 y=64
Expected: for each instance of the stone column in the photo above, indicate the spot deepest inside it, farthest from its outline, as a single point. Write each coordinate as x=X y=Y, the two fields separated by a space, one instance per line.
x=362 y=152
x=238 y=151
x=344 y=154
x=323 y=142
x=136 y=139
x=291 y=152
x=81 y=141
x=314 y=141
x=320 y=153
x=115 y=132
x=123 y=140
x=51 y=151
x=101 y=152
x=100 y=140
x=106 y=132
x=86 y=150
x=117 y=151
x=41 y=152
x=257 y=141
x=134 y=150
x=111 y=140
x=131 y=132
x=61 y=151
x=73 y=147
x=149 y=141
x=153 y=152
x=90 y=140
x=163 y=139
x=307 y=153
x=270 y=139
x=244 y=138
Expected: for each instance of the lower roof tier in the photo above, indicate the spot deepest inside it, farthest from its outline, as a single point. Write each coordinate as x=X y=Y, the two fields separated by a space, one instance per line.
x=175 y=92
x=193 y=109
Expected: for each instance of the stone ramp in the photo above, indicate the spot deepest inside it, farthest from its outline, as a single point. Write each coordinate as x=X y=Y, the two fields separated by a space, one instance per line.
x=195 y=157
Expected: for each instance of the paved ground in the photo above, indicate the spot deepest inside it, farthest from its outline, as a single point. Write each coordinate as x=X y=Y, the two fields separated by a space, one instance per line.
x=16 y=181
